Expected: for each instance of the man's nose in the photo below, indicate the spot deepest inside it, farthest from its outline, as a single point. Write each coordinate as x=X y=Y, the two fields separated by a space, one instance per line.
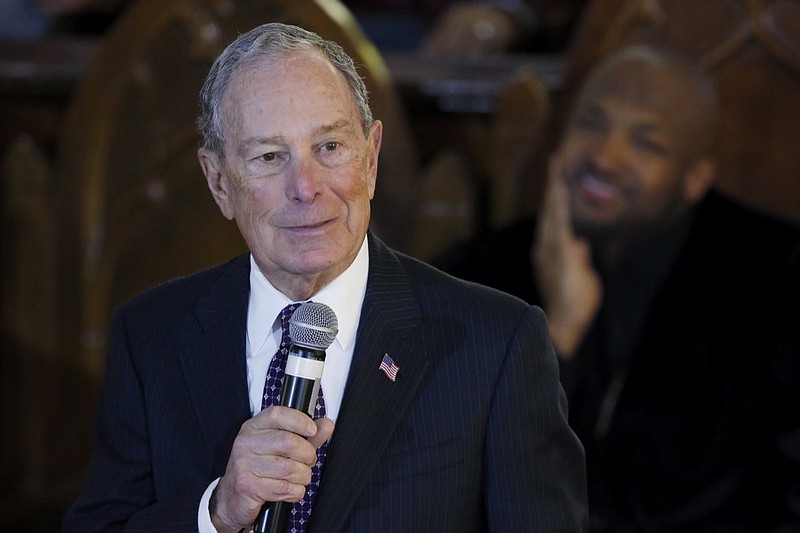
x=305 y=178
x=610 y=151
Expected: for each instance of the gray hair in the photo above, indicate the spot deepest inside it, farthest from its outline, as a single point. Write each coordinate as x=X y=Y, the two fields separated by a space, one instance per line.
x=265 y=42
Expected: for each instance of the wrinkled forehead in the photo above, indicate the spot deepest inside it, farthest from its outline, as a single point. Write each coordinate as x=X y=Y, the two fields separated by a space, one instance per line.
x=305 y=74
x=280 y=66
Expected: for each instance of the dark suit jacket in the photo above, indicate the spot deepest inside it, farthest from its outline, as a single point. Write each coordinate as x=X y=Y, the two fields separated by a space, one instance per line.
x=472 y=436
x=705 y=433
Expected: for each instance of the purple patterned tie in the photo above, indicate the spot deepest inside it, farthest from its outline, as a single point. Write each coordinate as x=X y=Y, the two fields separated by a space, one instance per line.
x=301 y=511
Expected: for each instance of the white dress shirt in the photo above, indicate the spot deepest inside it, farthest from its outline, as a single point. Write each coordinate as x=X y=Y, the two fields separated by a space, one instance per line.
x=344 y=295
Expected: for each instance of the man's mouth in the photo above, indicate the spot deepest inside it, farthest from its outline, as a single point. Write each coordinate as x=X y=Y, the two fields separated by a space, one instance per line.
x=310 y=226
x=597 y=189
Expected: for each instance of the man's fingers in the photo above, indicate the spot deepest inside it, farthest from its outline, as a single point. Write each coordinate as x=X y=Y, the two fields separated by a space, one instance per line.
x=285 y=418
x=285 y=432
x=277 y=490
x=283 y=470
x=324 y=431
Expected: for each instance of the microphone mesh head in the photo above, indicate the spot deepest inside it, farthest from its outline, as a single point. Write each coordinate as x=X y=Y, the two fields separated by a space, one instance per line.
x=313 y=325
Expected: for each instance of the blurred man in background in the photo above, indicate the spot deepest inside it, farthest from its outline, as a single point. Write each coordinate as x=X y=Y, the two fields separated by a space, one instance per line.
x=673 y=309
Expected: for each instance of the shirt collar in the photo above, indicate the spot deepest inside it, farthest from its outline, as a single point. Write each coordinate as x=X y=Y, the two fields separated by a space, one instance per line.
x=344 y=295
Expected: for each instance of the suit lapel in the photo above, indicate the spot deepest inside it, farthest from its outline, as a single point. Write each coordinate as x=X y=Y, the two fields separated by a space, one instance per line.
x=214 y=360
x=373 y=404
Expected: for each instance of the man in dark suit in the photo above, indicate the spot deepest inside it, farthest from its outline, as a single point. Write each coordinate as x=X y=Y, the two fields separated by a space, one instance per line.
x=674 y=310
x=464 y=429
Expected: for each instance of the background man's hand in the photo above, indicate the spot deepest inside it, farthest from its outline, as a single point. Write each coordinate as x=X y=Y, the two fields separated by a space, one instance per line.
x=570 y=286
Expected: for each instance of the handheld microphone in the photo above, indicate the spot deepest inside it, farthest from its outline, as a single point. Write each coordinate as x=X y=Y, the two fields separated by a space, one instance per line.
x=312 y=328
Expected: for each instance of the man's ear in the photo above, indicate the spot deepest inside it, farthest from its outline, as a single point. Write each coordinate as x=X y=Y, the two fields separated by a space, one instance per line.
x=374 y=140
x=699 y=179
x=217 y=180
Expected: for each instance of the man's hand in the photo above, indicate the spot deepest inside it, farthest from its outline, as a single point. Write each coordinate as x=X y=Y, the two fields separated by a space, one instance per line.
x=270 y=461
x=571 y=288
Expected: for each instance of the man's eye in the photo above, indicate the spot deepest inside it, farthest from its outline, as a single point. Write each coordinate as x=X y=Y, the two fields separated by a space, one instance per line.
x=650 y=145
x=590 y=122
x=330 y=146
x=269 y=156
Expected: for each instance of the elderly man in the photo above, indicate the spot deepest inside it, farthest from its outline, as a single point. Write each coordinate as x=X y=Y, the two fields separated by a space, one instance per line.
x=673 y=309
x=445 y=395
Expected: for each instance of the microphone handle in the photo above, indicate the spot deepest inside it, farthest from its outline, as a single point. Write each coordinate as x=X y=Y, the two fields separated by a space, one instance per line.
x=273 y=518
x=298 y=393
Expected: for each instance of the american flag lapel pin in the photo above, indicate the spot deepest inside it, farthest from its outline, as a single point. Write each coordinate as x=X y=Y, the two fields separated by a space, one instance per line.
x=389 y=367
